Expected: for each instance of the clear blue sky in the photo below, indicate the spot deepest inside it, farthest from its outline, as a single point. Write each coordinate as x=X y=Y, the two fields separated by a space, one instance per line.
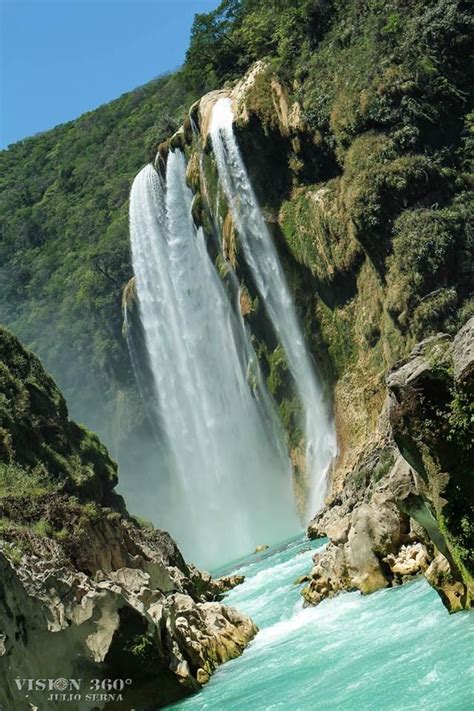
x=60 y=58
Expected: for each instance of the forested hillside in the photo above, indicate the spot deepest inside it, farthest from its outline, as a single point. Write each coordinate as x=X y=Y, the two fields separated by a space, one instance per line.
x=303 y=260
x=64 y=252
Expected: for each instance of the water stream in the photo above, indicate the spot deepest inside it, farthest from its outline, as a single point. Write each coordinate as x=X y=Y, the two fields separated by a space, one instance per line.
x=395 y=650
x=223 y=479
x=262 y=259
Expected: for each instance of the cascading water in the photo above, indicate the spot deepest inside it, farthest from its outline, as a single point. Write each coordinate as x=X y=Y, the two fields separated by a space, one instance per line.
x=262 y=259
x=223 y=480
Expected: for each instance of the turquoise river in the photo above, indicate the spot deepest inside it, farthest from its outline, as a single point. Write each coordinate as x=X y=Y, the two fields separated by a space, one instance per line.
x=397 y=649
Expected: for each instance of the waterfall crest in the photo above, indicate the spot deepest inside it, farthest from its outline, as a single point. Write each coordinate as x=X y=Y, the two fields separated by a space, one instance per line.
x=262 y=259
x=223 y=479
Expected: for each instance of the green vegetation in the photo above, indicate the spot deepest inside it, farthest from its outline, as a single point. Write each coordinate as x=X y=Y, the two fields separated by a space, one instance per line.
x=15 y=480
x=55 y=476
x=41 y=450
x=141 y=646
x=431 y=257
x=43 y=528
x=225 y=42
x=143 y=523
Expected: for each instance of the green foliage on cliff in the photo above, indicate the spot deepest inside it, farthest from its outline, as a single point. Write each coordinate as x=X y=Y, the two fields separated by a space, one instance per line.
x=226 y=41
x=41 y=450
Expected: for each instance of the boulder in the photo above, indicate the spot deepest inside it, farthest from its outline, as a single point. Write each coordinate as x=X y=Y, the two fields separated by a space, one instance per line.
x=410 y=560
x=463 y=353
x=452 y=592
x=226 y=583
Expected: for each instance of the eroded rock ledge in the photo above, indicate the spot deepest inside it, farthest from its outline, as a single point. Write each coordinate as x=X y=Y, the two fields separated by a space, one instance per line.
x=128 y=604
x=143 y=612
x=407 y=508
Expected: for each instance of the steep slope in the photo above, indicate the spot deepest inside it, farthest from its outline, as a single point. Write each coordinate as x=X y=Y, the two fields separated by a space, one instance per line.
x=87 y=592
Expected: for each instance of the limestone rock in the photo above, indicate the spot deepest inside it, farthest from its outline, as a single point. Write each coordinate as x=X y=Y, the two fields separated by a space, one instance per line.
x=463 y=352
x=337 y=530
x=329 y=575
x=71 y=618
x=227 y=582
x=367 y=531
x=410 y=560
x=409 y=498
x=451 y=591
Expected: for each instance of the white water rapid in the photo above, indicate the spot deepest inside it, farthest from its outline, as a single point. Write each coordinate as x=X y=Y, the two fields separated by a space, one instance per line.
x=262 y=259
x=223 y=479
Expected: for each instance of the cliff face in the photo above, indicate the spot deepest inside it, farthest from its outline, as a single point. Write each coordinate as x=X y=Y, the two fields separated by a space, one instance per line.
x=360 y=161
x=373 y=235
x=87 y=592
x=407 y=508
x=370 y=213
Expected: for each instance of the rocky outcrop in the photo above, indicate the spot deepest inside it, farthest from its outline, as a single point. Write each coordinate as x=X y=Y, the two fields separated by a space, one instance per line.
x=407 y=508
x=145 y=614
x=431 y=406
x=38 y=439
x=372 y=543
x=226 y=583
x=86 y=591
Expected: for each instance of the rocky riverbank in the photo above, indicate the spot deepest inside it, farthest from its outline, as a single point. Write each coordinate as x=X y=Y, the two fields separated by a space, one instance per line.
x=407 y=507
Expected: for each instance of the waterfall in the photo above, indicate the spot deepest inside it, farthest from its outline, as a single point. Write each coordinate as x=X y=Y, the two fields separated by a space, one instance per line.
x=262 y=259
x=223 y=477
